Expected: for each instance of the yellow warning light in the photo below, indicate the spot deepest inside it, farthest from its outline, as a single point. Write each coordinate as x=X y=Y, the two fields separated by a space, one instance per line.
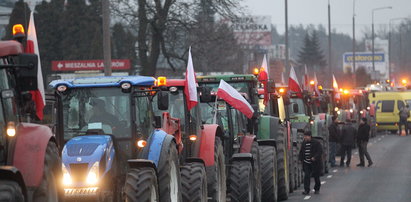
x=281 y=90
x=256 y=71
x=18 y=29
x=320 y=87
x=193 y=137
x=346 y=92
x=404 y=81
x=312 y=82
x=161 y=81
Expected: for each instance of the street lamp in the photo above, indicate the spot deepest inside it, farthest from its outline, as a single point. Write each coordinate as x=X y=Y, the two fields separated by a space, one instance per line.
x=389 y=44
x=372 y=35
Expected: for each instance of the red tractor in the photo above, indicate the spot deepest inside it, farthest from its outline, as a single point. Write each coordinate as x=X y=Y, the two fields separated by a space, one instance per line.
x=30 y=165
x=200 y=146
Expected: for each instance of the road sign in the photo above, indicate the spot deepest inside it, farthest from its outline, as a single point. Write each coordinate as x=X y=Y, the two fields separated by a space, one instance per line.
x=81 y=65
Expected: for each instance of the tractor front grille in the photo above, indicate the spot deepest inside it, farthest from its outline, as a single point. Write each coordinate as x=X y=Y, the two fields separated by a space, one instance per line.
x=79 y=172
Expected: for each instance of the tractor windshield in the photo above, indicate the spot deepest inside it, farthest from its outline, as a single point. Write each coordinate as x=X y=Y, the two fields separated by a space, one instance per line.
x=242 y=87
x=175 y=108
x=296 y=102
x=83 y=106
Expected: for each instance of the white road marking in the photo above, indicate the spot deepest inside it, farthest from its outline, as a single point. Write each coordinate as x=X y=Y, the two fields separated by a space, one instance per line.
x=379 y=139
x=307 y=197
x=329 y=176
x=323 y=182
x=335 y=170
x=356 y=153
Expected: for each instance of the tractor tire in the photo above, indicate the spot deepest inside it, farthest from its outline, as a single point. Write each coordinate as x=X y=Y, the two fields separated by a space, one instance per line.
x=268 y=165
x=169 y=178
x=216 y=176
x=295 y=167
x=255 y=150
x=141 y=185
x=241 y=181
x=194 y=182
x=291 y=172
x=10 y=191
x=282 y=166
x=50 y=188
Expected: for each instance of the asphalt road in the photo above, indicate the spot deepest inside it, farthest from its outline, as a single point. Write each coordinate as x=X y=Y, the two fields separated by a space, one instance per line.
x=389 y=179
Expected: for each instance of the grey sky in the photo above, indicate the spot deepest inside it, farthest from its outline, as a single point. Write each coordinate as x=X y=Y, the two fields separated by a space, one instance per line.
x=315 y=12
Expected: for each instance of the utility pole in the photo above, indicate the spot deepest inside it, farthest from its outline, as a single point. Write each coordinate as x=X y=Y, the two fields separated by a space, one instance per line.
x=330 y=69
x=106 y=37
x=286 y=37
x=372 y=35
x=353 y=43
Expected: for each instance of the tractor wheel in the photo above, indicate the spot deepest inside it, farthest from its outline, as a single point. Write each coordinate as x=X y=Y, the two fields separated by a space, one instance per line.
x=268 y=165
x=291 y=172
x=169 y=178
x=50 y=189
x=194 y=182
x=295 y=167
x=282 y=171
x=216 y=176
x=241 y=181
x=257 y=171
x=141 y=185
x=10 y=191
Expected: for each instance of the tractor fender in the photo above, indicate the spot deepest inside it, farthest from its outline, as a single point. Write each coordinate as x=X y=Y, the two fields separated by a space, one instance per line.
x=13 y=174
x=208 y=136
x=242 y=157
x=29 y=151
x=157 y=141
x=141 y=163
x=247 y=143
x=196 y=160
x=267 y=142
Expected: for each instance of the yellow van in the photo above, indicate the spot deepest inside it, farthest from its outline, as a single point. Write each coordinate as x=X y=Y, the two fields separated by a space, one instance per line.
x=387 y=107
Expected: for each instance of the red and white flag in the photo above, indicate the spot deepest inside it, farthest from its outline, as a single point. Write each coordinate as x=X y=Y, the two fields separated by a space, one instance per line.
x=263 y=78
x=336 y=89
x=234 y=98
x=32 y=47
x=190 y=84
x=306 y=82
x=293 y=84
x=316 y=90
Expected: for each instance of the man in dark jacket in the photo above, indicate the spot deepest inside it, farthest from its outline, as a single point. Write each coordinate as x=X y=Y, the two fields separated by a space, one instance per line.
x=311 y=157
x=362 y=141
x=333 y=139
x=347 y=142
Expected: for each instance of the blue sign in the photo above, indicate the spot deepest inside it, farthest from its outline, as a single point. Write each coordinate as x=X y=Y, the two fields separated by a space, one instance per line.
x=364 y=57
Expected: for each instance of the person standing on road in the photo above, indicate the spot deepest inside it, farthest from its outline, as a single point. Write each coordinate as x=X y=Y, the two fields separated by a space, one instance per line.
x=333 y=139
x=362 y=141
x=347 y=142
x=404 y=115
x=311 y=157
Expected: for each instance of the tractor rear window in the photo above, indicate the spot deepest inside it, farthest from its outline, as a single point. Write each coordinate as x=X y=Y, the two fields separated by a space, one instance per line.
x=388 y=106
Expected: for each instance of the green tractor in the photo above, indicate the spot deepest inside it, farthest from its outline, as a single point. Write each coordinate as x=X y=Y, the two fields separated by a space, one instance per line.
x=273 y=135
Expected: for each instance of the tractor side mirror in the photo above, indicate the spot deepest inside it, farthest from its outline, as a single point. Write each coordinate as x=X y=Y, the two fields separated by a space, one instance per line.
x=271 y=86
x=295 y=108
x=157 y=122
x=162 y=98
x=205 y=94
x=26 y=76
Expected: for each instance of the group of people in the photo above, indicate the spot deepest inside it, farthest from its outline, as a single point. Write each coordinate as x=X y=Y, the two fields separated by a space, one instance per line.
x=311 y=150
x=347 y=138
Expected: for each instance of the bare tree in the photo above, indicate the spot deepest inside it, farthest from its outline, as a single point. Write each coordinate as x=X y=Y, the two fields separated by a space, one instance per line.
x=167 y=27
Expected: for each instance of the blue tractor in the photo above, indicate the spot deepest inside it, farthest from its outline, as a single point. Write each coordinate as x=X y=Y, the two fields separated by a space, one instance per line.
x=112 y=150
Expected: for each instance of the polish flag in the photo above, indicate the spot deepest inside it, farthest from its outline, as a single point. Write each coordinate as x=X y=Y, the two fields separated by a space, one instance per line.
x=32 y=47
x=316 y=90
x=336 y=89
x=190 y=84
x=234 y=98
x=306 y=82
x=263 y=78
x=293 y=81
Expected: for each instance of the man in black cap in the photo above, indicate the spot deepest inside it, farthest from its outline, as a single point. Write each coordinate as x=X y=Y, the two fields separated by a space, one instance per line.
x=349 y=133
x=311 y=157
x=362 y=141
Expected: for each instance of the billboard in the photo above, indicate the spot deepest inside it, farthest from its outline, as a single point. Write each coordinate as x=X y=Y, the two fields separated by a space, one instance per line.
x=252 y=30
x=364 y=60
x=86 y=65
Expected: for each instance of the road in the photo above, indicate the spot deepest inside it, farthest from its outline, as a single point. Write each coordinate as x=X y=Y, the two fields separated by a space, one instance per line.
x=389 y=179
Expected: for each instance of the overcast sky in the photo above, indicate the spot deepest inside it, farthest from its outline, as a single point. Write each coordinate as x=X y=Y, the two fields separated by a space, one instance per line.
x=315 y=12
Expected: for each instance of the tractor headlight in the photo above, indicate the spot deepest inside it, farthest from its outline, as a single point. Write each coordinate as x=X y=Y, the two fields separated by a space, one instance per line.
x=66 y=176
x=92 y=177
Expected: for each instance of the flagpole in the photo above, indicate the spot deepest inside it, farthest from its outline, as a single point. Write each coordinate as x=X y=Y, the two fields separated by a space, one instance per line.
x=215 y=112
